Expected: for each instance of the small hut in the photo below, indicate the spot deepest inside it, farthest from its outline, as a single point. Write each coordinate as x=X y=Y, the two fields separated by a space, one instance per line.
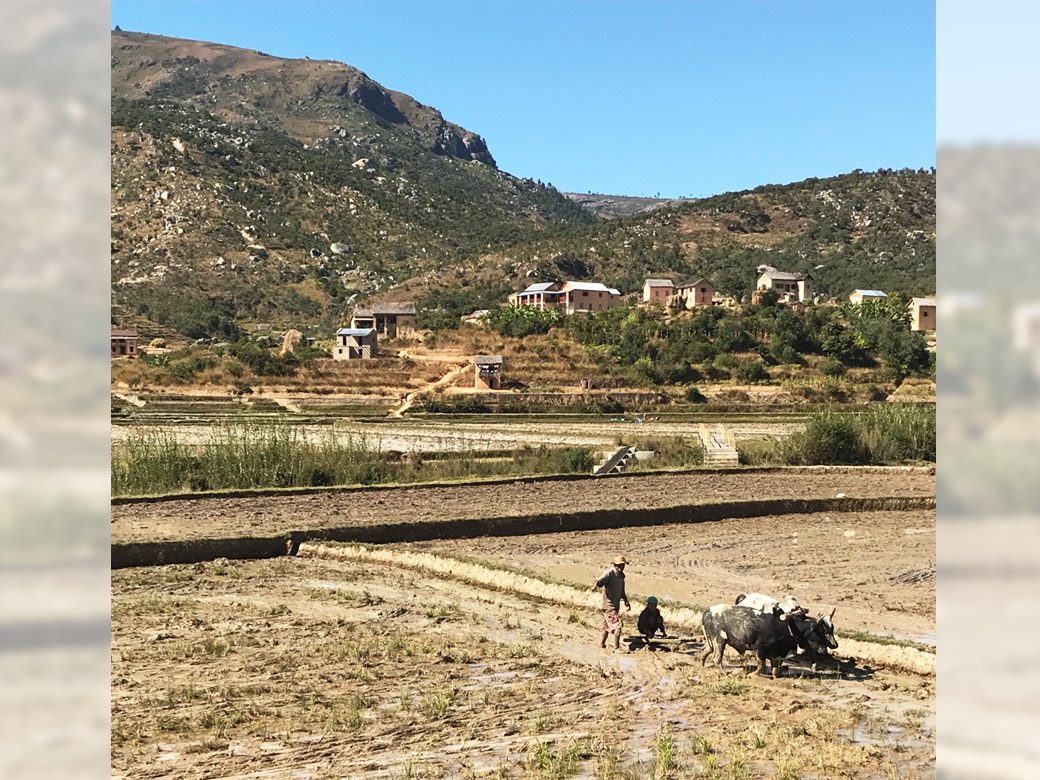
x=487 y=372
x=355 y=343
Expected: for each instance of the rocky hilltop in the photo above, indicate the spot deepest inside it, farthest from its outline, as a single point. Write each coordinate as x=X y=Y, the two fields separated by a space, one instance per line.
x=302 y=98
x=248 y=187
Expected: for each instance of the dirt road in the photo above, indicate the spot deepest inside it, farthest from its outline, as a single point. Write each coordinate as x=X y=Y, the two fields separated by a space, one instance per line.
x=272 y=515
x=314 y=668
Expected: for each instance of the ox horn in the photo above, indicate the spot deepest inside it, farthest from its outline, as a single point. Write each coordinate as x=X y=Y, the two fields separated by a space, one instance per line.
x=831 y=616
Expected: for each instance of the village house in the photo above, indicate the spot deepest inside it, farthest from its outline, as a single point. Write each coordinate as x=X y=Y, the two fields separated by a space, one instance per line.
x=657 y=290
x=858 y=297
x=390 y=320
x=571 y=297
x=698 y=292
x=922 y=314
x=355 y=344
x=543 y=295
x=124 y=342
x=487 y=373
x=790 y=286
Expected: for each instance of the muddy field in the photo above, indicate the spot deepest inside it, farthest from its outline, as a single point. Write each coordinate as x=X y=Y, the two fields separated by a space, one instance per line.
x=309 y=668
x=271 y=515
x=877 y=568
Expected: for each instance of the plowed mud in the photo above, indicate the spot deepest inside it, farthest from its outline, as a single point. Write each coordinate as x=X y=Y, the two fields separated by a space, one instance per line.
x=271 y=515
x=309 y=668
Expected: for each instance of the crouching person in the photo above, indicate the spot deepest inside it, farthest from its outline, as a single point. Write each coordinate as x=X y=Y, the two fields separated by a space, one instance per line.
x=613 y=584
x=651 y=621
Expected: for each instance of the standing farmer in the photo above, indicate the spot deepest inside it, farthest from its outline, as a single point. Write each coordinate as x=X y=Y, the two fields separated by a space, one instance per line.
x=613 y=584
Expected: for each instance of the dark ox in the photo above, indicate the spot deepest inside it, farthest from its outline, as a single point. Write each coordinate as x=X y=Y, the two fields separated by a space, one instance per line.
x=770 y=635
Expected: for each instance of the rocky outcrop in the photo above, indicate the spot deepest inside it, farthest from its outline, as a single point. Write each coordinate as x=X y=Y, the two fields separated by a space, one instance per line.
x=369 y=95
x=453 y=141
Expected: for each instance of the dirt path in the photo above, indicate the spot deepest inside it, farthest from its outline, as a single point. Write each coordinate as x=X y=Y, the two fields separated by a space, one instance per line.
x=319 y=669
x=272 y=515
x=410 y=398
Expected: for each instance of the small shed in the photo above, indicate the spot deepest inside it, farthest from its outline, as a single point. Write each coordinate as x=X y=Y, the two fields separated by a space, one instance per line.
x=922 y=314
x=859 y=297
x=487 y=373
x=355 y=343
x=124 y=342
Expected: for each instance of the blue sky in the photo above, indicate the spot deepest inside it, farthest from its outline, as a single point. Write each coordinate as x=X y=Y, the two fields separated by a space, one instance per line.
x=634 y=98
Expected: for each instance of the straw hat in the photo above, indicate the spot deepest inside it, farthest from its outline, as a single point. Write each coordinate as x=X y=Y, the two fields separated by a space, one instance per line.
x=619 y=559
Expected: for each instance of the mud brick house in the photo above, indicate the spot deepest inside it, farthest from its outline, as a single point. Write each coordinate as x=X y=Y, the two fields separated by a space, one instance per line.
x=698 y=292
x=658 y=290
x=389 y=320
x=487 y=374
x=570 y=297
x=355 y=344
x=860 y=296
x=790 y=286
x=922 y=314
x=124 y=342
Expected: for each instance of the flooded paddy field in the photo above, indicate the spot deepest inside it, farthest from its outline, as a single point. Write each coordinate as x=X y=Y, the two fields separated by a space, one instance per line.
x=458 y=433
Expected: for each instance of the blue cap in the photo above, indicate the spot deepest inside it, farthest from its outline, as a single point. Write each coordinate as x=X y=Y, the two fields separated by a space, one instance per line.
x=652 y=600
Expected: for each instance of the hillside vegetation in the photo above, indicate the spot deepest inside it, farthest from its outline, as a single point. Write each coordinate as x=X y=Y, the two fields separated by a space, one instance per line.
x=249 y=188
x=858 y=230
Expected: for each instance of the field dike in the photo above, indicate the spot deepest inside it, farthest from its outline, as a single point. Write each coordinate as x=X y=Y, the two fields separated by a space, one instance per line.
x=161 y=553
x=892 y=656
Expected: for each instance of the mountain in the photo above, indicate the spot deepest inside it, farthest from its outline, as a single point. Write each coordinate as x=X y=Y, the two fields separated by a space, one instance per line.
x=249 y=188
x=252 y=187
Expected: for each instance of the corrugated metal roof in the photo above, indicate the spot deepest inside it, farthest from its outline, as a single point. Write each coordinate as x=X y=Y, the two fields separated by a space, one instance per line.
x=694 y=283
x=123 y=334
x=786 y=276
x=540 y=287
x=355 y=331
x=384 y=308
x=923 y=301
x=659 y=283
x=873 y=293
x=589 y=286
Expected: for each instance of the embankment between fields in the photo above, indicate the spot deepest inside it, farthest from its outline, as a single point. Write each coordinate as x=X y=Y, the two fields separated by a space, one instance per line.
x=893 y=656
x=159 y=553
x=451 y=484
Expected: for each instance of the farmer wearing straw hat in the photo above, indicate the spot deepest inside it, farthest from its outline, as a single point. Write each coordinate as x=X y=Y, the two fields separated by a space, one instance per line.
x=613 y=584
x=650 y=620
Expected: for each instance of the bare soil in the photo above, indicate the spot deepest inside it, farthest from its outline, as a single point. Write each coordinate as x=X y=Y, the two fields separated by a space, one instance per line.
x=310 y=668
x=272 y=515
x=877 y=569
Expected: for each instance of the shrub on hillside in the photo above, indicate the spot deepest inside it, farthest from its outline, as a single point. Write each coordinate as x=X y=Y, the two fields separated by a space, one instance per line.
x=695 y=396
x=752 y=373
x=832 y=367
